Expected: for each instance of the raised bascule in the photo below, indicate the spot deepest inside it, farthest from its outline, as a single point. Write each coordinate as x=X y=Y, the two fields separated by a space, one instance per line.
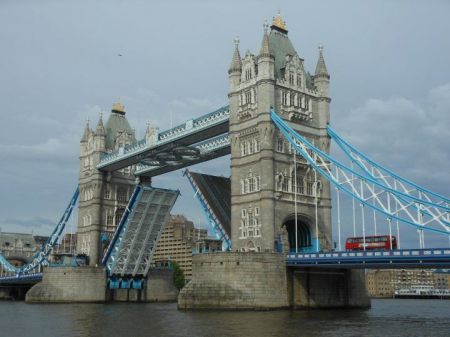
x=273 y=215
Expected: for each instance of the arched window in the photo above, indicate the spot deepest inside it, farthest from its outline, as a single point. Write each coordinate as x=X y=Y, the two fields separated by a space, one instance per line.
x=122 y=194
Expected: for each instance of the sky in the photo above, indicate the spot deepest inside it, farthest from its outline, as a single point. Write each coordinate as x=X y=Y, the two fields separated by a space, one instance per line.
x=60 y=65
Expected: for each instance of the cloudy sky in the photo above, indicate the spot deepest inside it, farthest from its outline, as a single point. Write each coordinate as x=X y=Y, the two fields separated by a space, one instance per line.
x=60 y=65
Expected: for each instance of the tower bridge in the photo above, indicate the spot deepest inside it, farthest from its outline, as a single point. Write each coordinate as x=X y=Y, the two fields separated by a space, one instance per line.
x=277 y=224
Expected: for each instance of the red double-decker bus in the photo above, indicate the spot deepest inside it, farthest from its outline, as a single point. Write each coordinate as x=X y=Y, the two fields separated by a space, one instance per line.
x=378 y=242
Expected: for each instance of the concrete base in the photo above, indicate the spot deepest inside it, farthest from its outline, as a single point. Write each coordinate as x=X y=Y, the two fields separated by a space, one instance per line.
x=69 y=284
x=236 y=280
x=88 y=284
x=328 y=288
x=261 y=281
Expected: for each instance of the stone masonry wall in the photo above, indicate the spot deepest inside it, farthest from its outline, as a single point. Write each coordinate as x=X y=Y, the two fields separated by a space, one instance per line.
x=69 y=284
x=236 y=280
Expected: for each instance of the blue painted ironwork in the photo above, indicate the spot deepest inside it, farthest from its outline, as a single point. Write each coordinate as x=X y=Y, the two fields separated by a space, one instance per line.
x=40 y=257
x=118 y=234
x=195 y=126
x=438 y=211
x=322 y=161
x=404 y=258
x=214 y=224
x=206 y=149
x=22 y=278
x=131 y=250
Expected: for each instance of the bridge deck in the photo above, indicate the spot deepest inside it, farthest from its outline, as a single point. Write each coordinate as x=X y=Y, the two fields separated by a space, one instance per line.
x=404 y=258
x=21 y=279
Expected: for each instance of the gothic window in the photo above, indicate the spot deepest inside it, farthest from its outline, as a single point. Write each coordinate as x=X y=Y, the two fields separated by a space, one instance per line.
x=292 y=103
x=247 y=186
x=109 y=218
x=303 y=102
x=307 y=101
x=251 y=186
x=299 y=80
x=257 y=183
x=291 y=78
x=248 y=97
x=284 y=98
x=122 y=194
x=280 y=145
x=256 y=145
x=248 y=74
x=252 y=147
x=107 y=194
x=250 y=226
x=118 y=216
x=256 y=211
x=243 y=149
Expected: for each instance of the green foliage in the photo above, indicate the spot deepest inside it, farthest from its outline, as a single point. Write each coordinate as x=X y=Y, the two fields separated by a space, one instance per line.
x=178 y=275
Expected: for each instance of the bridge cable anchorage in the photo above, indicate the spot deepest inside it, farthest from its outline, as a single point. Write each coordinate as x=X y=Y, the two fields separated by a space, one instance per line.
x=40 y=257
x=370 y=190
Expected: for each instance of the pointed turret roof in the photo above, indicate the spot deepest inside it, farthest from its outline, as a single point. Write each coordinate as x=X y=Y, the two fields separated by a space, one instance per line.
x=100 y=129
x=86 y=133
x=265 y=47
x=236 y=63
x=321 y=68
x=117 y=122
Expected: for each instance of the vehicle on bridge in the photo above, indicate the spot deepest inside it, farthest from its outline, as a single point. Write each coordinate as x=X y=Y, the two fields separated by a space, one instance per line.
x=376 y=242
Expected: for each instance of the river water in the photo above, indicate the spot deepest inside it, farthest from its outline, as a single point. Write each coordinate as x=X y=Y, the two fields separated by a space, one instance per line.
x=388 y=317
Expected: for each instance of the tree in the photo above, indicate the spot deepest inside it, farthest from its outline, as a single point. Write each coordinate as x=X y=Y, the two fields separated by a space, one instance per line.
x=178 y=275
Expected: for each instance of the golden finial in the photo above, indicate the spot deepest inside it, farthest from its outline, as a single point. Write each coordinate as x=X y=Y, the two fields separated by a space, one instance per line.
x=278 y=22
x=119 y=108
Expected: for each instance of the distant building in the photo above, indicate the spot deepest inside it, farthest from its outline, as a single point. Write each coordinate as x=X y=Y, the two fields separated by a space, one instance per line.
x=384 y=282
x=68 y=244
x=380 y=283
x=17 y=248
x=179 y=240
x=442 y=279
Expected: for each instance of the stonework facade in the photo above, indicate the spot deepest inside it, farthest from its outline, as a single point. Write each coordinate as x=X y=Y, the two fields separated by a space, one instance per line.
x=103 y=196
x=262 y=166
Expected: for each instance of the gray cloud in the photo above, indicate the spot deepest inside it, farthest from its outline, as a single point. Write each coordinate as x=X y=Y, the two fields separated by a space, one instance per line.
x=59 y=66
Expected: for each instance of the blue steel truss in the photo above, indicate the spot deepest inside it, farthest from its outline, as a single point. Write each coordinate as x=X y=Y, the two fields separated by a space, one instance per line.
x=40 y=257
x=191 y=132
x=368 y=190
x=207 y=149
x=213 y=222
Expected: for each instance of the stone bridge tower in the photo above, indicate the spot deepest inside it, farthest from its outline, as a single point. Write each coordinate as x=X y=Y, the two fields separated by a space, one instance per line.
x=103 y=196
x=262 y=161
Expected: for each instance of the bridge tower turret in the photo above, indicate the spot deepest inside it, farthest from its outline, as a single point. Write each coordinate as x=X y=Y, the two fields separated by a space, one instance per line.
x=263 y=186
x=103 y=197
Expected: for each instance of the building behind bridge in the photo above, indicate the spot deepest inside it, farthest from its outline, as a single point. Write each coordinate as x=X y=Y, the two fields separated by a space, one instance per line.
x=383 y=283
x=180 y=240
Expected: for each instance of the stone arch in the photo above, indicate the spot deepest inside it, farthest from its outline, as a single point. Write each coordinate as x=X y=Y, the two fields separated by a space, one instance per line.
x=251 y=246
x=304 y=232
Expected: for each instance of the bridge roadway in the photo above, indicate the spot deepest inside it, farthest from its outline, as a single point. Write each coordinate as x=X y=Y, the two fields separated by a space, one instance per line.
x=402 y=258
x=205 y=136
x=29 y=279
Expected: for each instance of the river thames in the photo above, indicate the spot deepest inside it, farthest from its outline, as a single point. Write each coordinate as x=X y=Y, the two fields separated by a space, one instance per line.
x=386 y=318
